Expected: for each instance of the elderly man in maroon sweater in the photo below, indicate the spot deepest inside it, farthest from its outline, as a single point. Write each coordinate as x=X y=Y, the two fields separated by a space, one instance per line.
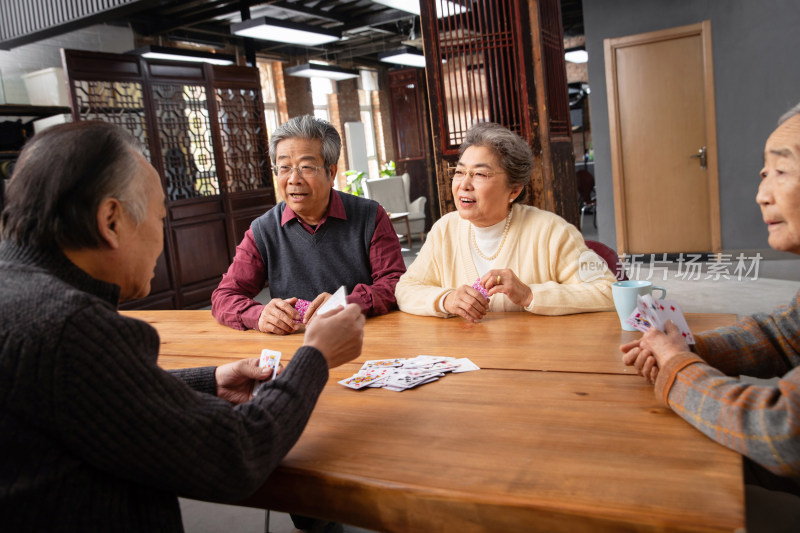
x=313 y=242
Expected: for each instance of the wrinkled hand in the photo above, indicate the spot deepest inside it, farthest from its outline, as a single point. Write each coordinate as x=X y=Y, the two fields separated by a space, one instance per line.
x=653 y=350
x=509 y=284
x=313 y=306
x=279 y=316
x=235 y=381
x=338 y=334
x=639 y=358
x=466 y=302
x=664 y=346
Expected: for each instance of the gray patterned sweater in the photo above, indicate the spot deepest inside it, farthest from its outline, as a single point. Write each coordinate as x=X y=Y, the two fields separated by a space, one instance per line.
x=94 y=436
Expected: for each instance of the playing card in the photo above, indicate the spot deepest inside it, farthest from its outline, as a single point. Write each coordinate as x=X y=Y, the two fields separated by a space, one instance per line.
x=301 y=306
x=465 y=365
x=639 y=320
x=670 y=310
x=479 y=287
x=383 y=363
x=655 y=313
x=270 y=359
x=339 y=298
x=358 y=381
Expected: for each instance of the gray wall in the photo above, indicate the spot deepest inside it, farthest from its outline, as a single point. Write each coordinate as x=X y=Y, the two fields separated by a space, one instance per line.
x=756 y=75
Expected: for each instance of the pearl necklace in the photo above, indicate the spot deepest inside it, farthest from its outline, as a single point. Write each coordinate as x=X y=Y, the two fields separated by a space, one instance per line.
x=502 y=242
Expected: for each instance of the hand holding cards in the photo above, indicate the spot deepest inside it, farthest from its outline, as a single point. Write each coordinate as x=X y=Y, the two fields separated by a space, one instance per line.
x=339 y=298
x=650 y=312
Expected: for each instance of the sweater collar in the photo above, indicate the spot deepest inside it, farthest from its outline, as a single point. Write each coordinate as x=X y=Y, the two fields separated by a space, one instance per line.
x=335 y=210
x=56 y=263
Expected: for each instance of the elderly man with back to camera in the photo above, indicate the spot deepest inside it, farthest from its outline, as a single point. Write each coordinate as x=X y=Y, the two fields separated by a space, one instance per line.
x=95 y=436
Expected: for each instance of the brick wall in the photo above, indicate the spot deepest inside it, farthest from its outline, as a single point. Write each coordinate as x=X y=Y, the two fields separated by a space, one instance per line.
x=297 y=93
x=576 y=71
x=344 y=107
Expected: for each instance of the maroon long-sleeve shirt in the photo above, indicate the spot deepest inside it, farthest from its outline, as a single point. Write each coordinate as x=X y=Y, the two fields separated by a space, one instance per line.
x=232 y=301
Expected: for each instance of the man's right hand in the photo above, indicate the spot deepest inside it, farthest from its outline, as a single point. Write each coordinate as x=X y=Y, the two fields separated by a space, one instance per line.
x=279 y=316
x=338 y=334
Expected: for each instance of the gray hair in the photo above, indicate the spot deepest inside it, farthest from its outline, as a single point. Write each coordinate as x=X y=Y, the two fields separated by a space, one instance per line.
x=60 y=179
x=309 y=127
x=516 y=158
x=789 y=114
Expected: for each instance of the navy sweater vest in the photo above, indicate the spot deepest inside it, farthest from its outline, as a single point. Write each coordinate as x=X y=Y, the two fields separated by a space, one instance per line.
x=304 y=265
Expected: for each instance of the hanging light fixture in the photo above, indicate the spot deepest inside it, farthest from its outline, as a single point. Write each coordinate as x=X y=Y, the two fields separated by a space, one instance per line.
x=284 y=31
x=576 y=55
x=180 y=54
x=314 y=70
x=412 y=6
x=403 y=56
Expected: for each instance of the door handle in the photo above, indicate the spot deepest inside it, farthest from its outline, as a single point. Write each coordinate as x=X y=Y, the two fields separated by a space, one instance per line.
x=701 y=155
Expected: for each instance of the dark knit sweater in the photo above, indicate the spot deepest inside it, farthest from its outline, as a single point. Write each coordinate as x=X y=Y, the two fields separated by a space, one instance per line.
x=304 y=265
x=94 y=436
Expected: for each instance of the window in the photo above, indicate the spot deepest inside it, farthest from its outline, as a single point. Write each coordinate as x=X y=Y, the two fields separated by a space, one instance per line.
x=365 y=106
x=320 y=89
x=267 y=75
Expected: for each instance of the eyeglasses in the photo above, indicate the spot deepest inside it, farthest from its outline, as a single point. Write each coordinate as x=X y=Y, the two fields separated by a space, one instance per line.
x=478 y=176
x=305 y=171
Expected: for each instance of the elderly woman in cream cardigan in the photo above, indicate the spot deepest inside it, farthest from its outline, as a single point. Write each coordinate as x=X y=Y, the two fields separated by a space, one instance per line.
x=496 y=254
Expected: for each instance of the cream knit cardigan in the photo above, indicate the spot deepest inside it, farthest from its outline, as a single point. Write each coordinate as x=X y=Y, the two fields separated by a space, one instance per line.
x=542 y=249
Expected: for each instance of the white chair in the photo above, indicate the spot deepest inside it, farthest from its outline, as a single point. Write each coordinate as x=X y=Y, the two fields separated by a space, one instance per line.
x=393 y=194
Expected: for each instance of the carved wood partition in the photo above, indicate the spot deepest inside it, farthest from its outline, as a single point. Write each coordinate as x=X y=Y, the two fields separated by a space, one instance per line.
x=202 y=128
x=501 y=61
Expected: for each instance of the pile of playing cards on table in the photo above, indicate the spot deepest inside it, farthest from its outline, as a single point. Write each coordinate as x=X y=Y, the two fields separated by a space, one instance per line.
x=652 y=312
x=401 y=374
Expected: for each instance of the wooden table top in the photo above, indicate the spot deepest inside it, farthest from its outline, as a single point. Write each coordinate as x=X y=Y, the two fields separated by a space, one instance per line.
x=584 y=446
x=512 y=341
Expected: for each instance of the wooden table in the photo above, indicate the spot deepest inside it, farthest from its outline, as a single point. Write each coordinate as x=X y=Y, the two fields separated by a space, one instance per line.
x=553 y=434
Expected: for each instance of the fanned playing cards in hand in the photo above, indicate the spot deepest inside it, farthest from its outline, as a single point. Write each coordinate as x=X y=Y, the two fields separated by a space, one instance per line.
x=651 y=312
x=401 y=374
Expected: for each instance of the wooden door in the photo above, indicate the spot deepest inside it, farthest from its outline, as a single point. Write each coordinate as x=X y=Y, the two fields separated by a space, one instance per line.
x=661 y=114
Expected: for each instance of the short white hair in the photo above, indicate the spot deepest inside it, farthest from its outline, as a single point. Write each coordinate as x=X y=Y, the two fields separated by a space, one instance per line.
x=789 y=114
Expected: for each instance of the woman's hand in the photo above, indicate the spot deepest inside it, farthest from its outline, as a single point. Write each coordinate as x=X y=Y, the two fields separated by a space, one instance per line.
x=506 y=282
x=466 y=302
x=641 y=359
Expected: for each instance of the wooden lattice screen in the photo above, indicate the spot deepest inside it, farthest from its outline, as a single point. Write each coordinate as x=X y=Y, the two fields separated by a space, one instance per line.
x=479 y=68
x=203 y=129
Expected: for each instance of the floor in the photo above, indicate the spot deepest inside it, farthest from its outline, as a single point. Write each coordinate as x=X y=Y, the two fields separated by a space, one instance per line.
x=776 y=282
